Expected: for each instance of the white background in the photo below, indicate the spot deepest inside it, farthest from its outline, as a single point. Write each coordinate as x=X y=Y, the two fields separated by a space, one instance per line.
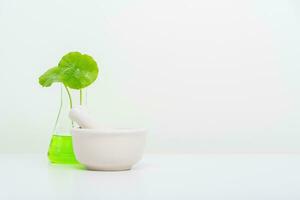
x=202 y=76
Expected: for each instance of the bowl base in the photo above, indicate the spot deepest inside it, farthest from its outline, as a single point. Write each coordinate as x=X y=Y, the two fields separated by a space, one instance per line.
x=108 y=168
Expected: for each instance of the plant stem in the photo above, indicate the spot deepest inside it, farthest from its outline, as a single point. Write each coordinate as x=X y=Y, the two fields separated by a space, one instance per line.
x=70 y=98
x=80 y=96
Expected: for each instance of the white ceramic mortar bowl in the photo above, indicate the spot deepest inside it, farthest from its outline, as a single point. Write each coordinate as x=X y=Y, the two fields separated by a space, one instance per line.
x=108 y=149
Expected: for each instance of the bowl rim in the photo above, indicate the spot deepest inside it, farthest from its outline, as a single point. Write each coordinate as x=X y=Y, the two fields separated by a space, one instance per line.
x=106 y=131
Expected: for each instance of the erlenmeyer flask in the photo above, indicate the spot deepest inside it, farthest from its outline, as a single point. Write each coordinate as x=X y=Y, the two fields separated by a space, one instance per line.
x=61 y=148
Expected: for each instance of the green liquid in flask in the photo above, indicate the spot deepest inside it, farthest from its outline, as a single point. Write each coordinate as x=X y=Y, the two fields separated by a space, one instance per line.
x=61 y=150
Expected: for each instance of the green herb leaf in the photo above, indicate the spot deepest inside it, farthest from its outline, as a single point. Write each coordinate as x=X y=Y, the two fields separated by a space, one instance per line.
x=50 y=76
x=78 y=70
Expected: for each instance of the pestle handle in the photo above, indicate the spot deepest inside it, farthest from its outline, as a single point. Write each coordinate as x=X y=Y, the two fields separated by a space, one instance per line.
x=80 y=115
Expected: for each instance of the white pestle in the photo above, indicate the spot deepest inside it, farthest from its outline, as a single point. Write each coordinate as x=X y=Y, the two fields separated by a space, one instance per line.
x=81 y=116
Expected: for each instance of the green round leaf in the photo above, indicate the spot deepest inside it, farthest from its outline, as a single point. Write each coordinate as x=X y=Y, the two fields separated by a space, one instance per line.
x=78 y=70
x=50 y=76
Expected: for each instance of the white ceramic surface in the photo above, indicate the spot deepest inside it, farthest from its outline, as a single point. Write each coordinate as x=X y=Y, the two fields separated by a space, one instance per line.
x=82 y=117
x=108 y=149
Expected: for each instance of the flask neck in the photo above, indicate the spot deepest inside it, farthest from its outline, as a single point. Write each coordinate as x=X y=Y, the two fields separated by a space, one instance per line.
x=68 y=99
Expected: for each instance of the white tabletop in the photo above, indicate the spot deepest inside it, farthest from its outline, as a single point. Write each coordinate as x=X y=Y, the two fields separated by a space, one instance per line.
x=156 y=177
